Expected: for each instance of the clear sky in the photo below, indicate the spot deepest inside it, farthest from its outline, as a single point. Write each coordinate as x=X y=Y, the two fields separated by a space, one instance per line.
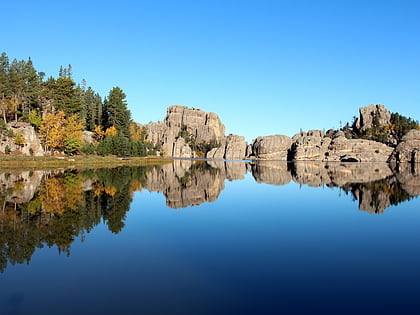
x=266 y=67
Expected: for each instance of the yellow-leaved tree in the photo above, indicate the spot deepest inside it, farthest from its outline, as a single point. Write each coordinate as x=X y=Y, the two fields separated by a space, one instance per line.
x=60 y=133
x=111 y=131
x=74 y=134
x=137 y=133
x=52 y=131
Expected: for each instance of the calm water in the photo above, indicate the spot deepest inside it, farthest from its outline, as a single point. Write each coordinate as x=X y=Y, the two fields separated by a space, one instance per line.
x=211 y=238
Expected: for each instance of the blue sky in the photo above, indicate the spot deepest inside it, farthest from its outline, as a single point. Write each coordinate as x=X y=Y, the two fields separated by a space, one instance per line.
x=266 y=67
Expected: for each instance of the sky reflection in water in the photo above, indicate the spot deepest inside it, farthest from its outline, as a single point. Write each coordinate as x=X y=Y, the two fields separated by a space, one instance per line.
x=248 y=247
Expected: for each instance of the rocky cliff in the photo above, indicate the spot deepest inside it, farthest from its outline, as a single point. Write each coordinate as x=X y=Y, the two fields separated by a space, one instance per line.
x=372 y=116
x=188 y=132
x=31 y=144
x=183 y=128
x=408 y=150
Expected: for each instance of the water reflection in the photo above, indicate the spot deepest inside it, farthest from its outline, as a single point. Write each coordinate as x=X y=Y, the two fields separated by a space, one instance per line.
x=52 y=208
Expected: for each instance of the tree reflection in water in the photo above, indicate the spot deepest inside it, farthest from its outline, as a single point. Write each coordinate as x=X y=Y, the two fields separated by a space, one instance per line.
x=53 y=208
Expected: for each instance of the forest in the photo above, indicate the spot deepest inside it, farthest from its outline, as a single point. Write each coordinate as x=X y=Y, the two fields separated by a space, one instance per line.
x=60 y=110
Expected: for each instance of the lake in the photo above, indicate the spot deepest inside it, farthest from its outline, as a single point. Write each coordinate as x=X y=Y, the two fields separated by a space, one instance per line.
x=211 y=237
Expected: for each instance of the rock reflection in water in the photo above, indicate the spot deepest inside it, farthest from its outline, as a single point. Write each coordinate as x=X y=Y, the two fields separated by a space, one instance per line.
x=52 y=208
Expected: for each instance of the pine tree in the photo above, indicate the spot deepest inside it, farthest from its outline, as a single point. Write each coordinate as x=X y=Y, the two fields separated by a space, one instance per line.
x=4 y=84
x=118 y=114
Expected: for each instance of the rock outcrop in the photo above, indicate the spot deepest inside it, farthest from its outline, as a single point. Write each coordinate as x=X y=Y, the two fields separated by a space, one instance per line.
x=372 y=116
x=356 y=150
x=408 y=150
x=315 y=146
x=188 y=133
x=309 y=146
x=31 y=143
x=199 y=126
x=275 y=147
x=232 y=147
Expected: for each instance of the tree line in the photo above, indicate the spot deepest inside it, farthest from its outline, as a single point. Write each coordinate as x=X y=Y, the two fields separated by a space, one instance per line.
x=60 y=109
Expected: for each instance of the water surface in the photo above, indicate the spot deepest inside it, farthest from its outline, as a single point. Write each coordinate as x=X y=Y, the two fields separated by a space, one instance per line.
x=211 y=237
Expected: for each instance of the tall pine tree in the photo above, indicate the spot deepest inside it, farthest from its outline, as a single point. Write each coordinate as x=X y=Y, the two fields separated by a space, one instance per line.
x=118 y=113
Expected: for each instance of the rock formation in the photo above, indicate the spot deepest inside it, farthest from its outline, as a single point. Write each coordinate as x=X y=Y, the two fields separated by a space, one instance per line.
x=315 y=146
x=309 y=146
x=275 y=147
x=194 y=124
x=408 y=150
x=356 y=150
x=31 y=143
x=232 y=147
x=372 y=116
x=184 y=128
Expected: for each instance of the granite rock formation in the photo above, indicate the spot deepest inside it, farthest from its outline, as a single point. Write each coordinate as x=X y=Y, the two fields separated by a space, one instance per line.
x=408 y=150
x=372 y=115
x=201 y=127
x=32 y=144
x=315 y=146
x=309 y=146
x=356 y=150
x=232 y=147
x=275 y=147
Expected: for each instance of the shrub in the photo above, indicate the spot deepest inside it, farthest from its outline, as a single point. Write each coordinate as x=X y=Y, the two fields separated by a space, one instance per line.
x=88 y=148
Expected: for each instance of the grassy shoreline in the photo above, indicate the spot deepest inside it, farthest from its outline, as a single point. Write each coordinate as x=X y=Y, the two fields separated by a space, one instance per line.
x=80 y=161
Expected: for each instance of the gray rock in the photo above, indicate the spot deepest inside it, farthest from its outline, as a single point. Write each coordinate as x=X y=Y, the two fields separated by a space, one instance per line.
x=309 y=146
x=204 y=127
x=232 y=147
x=314 y=146
x=357 y=150
x=275 y=147
x=88 y=137
x=408 y=150
x=32 y=143
x=181 y=149
x=235 y=147
x=369 y=115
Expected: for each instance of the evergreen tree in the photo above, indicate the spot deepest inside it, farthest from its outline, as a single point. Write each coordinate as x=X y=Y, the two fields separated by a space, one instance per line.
x=4 y=84
x=118 y=113
x=92 y=105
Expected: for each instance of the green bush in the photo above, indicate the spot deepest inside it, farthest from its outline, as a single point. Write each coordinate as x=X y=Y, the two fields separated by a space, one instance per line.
x=88 y=148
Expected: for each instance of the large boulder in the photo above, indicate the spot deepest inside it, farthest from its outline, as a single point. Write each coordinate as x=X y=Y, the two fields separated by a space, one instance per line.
x=181 y=149
x=372 y=116
x=275 y=147
x=309 y=146
x=232 y=147
x=31 y=144
x=356 y=150
x=408 y=150
x=198 y=125
x=315 y=146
